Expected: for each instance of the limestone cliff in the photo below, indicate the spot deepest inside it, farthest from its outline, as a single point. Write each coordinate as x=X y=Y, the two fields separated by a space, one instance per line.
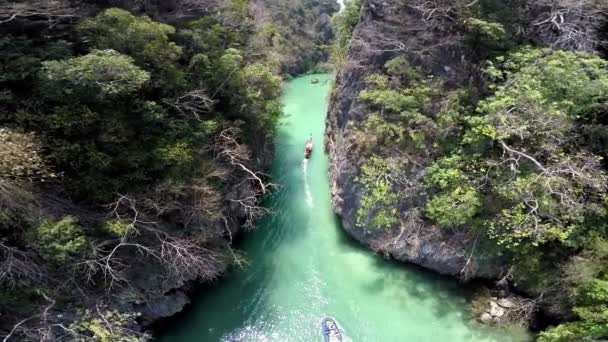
x=385 y=28
x=432 y=37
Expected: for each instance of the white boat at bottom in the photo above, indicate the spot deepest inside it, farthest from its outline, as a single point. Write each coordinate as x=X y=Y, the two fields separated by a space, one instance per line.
x=331 y=331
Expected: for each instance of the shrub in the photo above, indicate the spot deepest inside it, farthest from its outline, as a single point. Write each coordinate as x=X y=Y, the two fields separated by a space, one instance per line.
x=118 y=227
x=488 y=38
x=378 y=200
x=344 y=23
x=179 y=153
x=58 y=241
x=454 y=207
x=591 y=305
x=575 y=83
x=107 y=326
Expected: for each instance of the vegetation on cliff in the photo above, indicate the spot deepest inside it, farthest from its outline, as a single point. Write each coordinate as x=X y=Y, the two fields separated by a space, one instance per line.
x=512 y=155
x=131 y=151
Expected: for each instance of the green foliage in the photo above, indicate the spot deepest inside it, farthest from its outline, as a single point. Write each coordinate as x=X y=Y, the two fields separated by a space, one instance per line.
x=445 y=173
x=179 y=153
x=58 y=241
x=521 y=222
x=252 y=90
x=591 y=305
x=520 y=166
x=454 y=207
x=574 y=83
x=148 y=42
x=378 y=208
x=107 y=326
x=401 y=94
x=574 y=331
x=121 y=104
x=487 y=38
x=119 y=227
x=100 y=75
x=263 y=90
x=401 y=68
x=344 y=23
x=379 y=132
x=589 y=264
x=530 y=119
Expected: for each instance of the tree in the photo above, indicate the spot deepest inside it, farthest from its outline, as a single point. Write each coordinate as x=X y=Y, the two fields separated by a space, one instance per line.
x=101 y=75
x=147 y=41
x=591 y=305
x=344 y=23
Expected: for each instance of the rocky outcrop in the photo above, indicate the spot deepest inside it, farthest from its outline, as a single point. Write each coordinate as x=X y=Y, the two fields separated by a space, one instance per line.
x=387 y=27
x=435 y=42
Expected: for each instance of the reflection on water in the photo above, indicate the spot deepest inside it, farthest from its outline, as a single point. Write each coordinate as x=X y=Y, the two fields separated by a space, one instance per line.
x=304 y=268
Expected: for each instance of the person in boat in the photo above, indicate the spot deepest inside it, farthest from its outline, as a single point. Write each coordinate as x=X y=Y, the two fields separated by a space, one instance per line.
x=308 y=147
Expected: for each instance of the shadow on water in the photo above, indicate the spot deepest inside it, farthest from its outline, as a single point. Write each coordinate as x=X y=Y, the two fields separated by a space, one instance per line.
x=409 y=277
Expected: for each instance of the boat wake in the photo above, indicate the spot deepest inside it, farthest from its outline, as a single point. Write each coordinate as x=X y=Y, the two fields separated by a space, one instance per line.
x=308 y=194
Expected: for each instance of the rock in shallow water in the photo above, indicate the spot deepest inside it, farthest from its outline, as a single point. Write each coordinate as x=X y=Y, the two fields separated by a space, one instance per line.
x=485 y=318
x=496 y=311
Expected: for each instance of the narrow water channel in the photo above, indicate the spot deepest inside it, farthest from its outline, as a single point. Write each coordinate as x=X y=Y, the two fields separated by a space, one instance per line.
x=303 y=267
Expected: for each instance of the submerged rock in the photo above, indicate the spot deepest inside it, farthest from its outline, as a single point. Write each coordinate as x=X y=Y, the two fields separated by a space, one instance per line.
x=485 y=318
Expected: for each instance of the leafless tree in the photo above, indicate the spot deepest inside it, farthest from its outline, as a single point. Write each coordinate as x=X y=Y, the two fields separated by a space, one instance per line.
x=238 y=155
x=188 y=259
x=16 y=266
x=437 y=12
x=469 y=268
x=567 y=24
x=50 y=9
x=106 y=260
x=14 y=196
x=523 y=310
x=36 y=326
x=194 y=104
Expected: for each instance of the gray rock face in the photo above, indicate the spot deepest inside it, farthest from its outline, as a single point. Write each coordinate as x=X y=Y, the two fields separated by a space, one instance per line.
x=387 y=28
x=381 y=24
x=164 y=306
x=506 y=303
x=496 y=310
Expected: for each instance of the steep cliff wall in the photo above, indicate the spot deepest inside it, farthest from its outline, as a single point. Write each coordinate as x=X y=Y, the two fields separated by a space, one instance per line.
x=390 y=123
x=385 y=29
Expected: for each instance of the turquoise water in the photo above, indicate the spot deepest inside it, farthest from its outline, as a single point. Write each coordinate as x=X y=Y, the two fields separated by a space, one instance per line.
x=303 y=267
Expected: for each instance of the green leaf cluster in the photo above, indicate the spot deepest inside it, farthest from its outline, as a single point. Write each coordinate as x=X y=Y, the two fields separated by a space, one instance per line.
x=591 y=306
x=146 y=41
x=344 y=23
x=107 y=326
x=379 y=203
x=400 y=93
x=101 y=75
x=59 y=241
